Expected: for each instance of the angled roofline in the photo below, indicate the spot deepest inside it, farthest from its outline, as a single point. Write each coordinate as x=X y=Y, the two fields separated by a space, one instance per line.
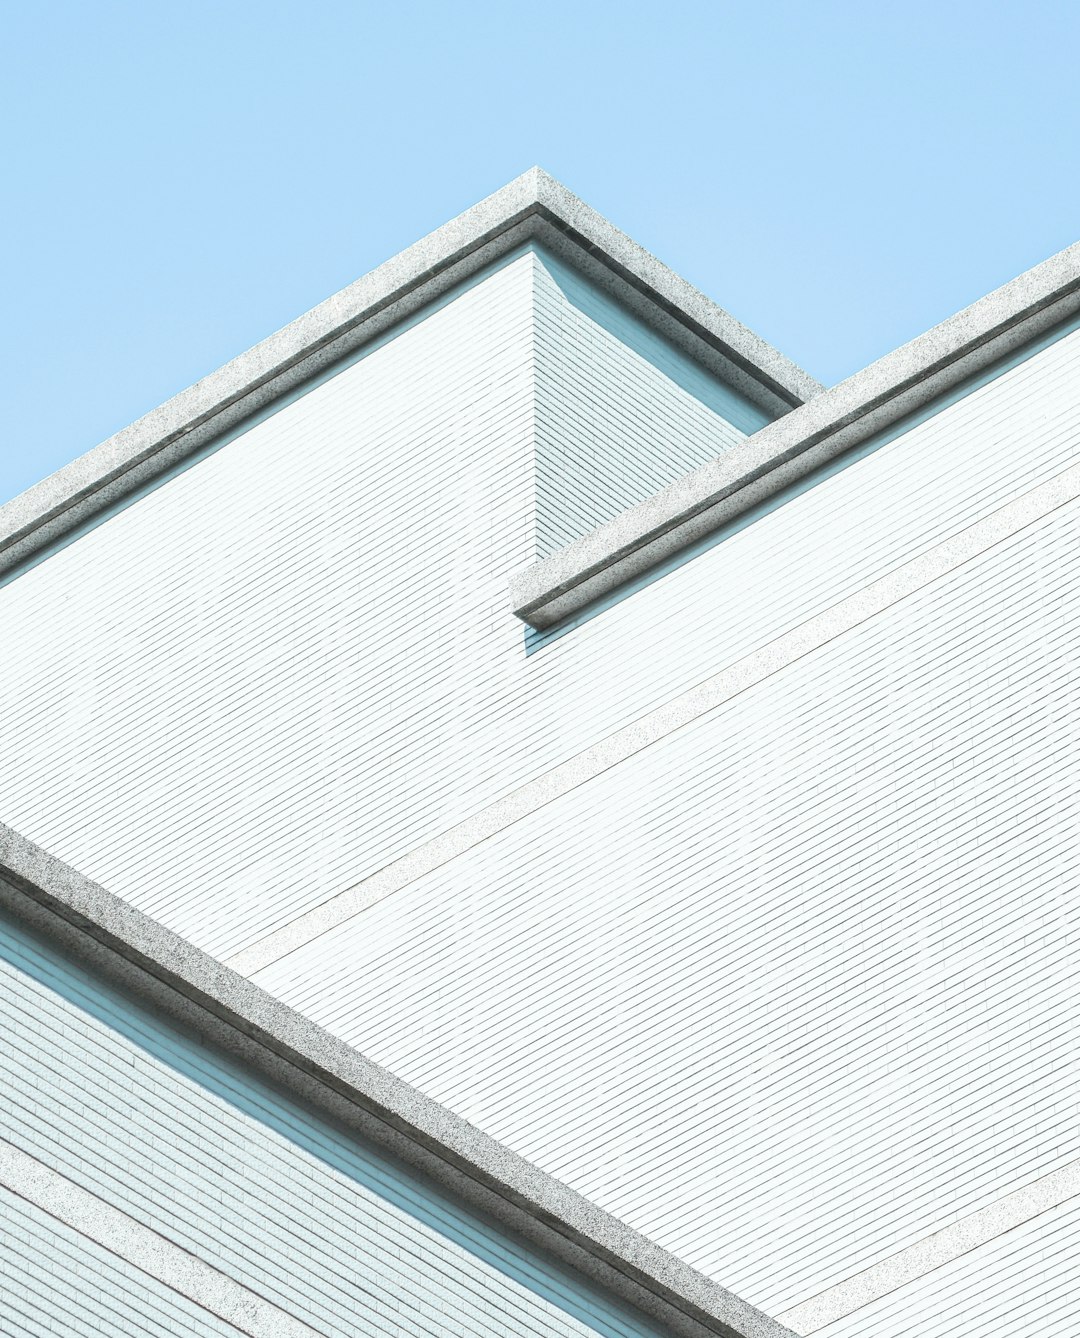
x=533 y=207
x=638 y=539
x=169 y=973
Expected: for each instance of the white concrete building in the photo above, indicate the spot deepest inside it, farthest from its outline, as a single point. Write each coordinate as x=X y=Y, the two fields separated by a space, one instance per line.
x=516 y=675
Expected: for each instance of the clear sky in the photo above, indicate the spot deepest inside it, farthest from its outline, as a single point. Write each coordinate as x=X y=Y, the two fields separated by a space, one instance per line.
x=184 y=178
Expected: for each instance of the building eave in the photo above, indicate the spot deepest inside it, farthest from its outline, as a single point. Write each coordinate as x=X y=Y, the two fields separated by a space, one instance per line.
x=533 y=207
x=170 y=974
x=779 y=454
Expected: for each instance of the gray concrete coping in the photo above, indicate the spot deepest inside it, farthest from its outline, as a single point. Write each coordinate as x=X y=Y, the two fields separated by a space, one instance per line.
x=166 y=972
x=534 y=207
x=789 y=448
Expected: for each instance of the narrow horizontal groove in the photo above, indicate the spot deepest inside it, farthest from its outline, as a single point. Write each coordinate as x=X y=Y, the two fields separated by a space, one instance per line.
x=671 y=716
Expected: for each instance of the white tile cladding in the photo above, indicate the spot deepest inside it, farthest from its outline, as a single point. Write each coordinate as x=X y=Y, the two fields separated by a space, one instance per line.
x=795 y=986
x=788 y=990
x=258 y=681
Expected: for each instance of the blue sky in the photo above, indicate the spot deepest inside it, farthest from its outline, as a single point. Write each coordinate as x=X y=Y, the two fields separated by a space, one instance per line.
x=183 y=179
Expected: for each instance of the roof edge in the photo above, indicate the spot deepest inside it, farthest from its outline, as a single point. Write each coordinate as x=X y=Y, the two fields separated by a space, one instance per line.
x=171 y=974
x=532 y=207
x=784 y=451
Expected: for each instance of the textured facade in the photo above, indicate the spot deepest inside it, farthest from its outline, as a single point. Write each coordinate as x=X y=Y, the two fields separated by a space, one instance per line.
x=739 y=899
x=118 y=1106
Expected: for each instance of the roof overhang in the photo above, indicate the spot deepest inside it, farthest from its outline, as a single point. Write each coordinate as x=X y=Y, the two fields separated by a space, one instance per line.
x=228 y=1011
x=788 y=449
x=534 y=207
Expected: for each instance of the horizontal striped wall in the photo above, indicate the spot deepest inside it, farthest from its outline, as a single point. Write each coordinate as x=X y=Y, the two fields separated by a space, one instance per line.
x=190 y=1146
x=620 y=413
x=795 y=986
x=293 y=662
x=266 y=676
x=523 y=713
x=213 y=681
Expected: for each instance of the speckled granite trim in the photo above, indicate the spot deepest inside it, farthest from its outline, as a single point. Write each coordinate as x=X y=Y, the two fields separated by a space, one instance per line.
x=532 y=207
x=784 y=451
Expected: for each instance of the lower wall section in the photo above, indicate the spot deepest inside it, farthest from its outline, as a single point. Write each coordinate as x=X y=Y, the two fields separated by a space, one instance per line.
x=793 y=987
x=180 y=1144
x=55 y=1281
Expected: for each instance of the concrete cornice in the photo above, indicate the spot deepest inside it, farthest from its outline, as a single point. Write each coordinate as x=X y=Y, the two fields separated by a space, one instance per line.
x=534 y=207
x=791 y=447
x=228 y=1011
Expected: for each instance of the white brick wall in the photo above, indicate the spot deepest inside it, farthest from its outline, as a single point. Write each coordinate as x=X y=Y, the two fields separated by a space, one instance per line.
x=221 y=684
x=293 y=662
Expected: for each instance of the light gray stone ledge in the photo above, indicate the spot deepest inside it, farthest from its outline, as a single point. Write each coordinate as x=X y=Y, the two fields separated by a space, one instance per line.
x=533 y=207
x=229 y=1012
x=785 y=451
